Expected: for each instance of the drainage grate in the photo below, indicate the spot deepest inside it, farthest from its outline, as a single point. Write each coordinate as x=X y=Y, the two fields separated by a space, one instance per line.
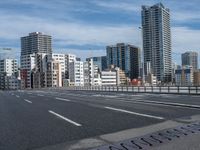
x=154 y=139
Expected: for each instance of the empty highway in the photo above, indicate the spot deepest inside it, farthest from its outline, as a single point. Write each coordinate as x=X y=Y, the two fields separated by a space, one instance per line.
x=40 y=119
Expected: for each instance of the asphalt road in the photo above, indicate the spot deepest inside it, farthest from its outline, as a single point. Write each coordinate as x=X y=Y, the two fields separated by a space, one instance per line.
x=33 y=119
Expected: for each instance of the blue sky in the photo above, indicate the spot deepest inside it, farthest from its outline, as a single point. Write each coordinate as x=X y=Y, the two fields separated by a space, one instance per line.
x=85 y=27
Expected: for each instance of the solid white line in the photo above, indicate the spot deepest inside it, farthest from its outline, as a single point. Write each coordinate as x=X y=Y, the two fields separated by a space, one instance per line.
x=64 y=118
x=134 y=113
x=40 y=95
x=17 y=96
x=28 y=101
x=169 y=103
x=161 y=103
x=62 y=99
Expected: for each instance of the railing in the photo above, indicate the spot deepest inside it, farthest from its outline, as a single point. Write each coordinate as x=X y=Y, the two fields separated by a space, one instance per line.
x=142 y=89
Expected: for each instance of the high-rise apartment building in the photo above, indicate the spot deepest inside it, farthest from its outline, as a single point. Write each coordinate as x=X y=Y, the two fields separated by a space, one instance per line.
x=157 y=41
x=126 y=57
x=190 y=59
x=31 y=45
x=36 y=42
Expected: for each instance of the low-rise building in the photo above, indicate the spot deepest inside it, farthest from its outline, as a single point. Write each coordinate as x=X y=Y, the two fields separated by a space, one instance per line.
x=151 y=80
x=109 y=78
x=197 y=78
x=76 y=74
x=184 y=76
x=54 y=74
x=61 y=59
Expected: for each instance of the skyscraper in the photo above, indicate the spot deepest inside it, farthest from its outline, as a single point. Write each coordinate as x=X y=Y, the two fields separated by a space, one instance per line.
x=36 y=42
x=157 y=41
x=190 y=59
x=126 y=57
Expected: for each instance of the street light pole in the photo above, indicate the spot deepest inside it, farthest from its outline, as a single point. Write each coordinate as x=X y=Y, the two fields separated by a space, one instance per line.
x=142 y=57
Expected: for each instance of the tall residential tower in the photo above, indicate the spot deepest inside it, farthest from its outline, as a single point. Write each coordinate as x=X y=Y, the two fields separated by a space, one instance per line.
x=157 y=41
x=36 y=42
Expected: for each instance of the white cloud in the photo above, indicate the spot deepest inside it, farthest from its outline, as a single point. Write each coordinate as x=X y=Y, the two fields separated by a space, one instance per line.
x=119 y=5
x=14 y=27
x=185 y=16
x=185 y=39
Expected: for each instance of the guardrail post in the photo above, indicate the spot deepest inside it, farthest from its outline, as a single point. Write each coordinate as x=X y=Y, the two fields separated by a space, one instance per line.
x=138 y=89
x=189 y=89
x=127 y=88
x=117 y=88
x=178 y=89
x=145 y=89
x=196 y=90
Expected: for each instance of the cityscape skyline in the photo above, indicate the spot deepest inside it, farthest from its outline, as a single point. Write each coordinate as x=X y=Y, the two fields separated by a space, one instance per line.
x=89 y=29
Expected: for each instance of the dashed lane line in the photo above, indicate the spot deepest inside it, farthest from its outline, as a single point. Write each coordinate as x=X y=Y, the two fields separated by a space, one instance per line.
x=134 y=113
x=64 y=118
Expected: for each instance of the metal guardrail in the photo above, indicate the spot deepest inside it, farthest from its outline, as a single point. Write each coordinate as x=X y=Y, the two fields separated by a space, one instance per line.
x=142 y=89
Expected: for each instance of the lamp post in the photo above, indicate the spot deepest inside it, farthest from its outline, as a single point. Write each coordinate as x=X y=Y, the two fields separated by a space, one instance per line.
x=142 y=57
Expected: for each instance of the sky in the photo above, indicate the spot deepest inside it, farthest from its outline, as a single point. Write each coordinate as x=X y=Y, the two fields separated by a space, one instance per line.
x=86 y=27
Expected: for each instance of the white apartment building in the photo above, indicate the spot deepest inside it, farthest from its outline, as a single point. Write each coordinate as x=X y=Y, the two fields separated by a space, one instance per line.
x=61 y=59
x=9 y=66
x=9 y=74
x=108 y=78
x=76 y=73
x=27 y=65
x=93 y=72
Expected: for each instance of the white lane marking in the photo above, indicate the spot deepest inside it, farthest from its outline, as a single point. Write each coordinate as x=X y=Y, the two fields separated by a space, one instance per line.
x=62 y=99
x=40 y=95
x=29 y=93
x=17 y=96
x=28 y=101
x=169 y=103
x=64 y=118
x=134 y=113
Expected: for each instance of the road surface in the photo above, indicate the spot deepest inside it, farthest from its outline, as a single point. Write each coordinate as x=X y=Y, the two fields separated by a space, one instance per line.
x=36 y=119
